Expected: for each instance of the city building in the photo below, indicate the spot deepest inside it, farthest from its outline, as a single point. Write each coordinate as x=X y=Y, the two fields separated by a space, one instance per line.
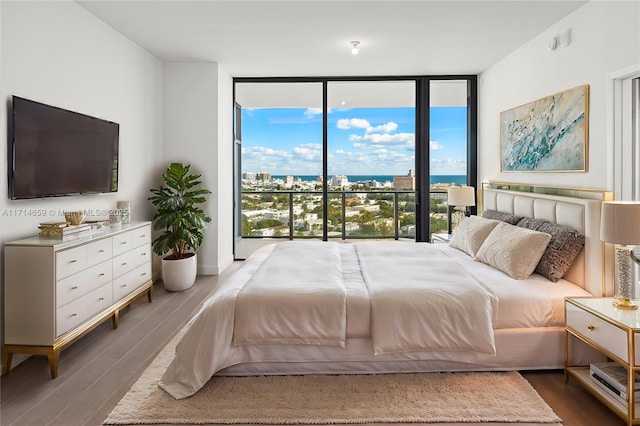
x=339 y=181
x=404 y=182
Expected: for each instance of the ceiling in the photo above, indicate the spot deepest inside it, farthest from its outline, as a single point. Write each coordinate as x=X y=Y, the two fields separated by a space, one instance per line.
x=312 y=38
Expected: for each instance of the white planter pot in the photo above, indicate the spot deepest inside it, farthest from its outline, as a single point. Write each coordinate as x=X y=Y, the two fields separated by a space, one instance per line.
x=178 y=275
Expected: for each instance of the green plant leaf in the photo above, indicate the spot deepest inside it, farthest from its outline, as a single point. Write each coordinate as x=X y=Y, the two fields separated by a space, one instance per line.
x=177 y=211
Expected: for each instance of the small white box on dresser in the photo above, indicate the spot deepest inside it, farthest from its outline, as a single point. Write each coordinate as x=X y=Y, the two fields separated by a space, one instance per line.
x=56 y=291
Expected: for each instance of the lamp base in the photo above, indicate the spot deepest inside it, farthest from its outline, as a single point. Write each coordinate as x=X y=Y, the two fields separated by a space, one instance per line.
x=623 y=278
x=623 y=303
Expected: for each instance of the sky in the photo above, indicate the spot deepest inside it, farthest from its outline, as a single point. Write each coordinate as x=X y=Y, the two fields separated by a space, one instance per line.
x=361 y=141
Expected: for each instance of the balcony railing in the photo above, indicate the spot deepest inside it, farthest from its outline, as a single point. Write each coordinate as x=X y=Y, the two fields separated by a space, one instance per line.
x=351 y=214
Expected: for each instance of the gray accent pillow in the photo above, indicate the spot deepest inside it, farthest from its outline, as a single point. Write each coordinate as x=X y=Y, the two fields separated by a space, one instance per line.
x=565 y=245
x=504 y=217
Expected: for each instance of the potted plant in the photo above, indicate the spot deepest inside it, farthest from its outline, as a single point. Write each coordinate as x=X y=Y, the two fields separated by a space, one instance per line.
x=182 y=221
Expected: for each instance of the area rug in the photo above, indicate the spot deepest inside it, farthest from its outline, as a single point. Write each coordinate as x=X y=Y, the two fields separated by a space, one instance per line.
x=501 y=397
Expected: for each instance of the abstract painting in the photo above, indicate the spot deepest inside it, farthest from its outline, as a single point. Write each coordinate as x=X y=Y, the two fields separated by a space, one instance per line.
x=547 y=135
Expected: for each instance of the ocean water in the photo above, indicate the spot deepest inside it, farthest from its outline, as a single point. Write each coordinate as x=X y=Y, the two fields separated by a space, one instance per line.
x=434 y=179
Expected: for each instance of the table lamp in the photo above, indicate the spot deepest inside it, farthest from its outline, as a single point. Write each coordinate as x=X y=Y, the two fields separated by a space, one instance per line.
x=620 y=225
x=459 y=196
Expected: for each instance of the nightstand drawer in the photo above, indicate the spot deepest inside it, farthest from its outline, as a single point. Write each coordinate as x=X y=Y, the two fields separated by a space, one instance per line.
x=598 y=331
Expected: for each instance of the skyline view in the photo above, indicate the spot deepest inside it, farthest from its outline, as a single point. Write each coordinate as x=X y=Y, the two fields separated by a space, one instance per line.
x=361 y=141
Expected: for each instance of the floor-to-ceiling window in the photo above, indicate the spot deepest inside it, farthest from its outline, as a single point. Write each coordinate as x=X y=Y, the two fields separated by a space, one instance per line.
x=449 y=146
x=371 y=159
x=349 y=158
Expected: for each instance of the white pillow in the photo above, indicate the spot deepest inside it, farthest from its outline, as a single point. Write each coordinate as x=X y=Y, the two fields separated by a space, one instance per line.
x=471 y=233
x=513 y=250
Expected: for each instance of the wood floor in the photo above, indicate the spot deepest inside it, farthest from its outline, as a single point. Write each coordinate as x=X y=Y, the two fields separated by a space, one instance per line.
x=98 y=370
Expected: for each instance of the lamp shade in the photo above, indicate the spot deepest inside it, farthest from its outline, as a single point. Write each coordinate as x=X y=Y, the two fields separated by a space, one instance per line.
x=461 y=196
x=620 y=222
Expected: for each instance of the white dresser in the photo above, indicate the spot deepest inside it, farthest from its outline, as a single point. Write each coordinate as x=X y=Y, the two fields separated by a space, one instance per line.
x=57 y=291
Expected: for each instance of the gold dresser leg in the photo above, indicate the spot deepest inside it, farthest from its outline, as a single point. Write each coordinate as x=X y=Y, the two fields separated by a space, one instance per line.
x=54 y=356
x=150 y=293
x=6 y=362
x=116 y=318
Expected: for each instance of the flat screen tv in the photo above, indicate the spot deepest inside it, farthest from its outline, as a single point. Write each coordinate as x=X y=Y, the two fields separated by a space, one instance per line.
x=55 y=152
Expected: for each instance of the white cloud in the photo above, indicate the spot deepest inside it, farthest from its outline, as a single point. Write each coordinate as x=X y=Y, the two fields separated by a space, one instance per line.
x=383 y=128
x=383 y=139
x=260 y=152
x=448 y=166
x=351 y=123
x=312 y=112
x=435 y=145
x=308 y=152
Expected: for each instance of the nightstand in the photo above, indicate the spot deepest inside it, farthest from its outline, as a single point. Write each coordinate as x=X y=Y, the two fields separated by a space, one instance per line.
x=440 y=238
x=615 y=333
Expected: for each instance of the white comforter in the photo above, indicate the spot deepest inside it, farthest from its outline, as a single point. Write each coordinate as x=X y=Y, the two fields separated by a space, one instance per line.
x=298 y=297
x=207 y=345
x=423 y=300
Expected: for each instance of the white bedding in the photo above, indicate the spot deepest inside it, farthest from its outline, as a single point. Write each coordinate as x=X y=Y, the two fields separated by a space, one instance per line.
x=298 y=297
x=422 y=300
x=207 y=348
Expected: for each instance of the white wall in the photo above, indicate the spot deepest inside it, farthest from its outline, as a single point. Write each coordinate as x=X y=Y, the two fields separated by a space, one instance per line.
x=225 y=178
x=605 y=37
x=77 y=62
x=59 y=54
x=197 y=131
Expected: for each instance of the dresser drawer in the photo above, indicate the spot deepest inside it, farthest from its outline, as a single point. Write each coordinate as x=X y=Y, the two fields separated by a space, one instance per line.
x=141 y=236
x=131 y=281
x=598 y=331
x=77 y=285
x=99 y=251
x=123 y=263
x=99 y=300
x=70 y=261
x=75 y=313
x=122 y=243
x=141 y=255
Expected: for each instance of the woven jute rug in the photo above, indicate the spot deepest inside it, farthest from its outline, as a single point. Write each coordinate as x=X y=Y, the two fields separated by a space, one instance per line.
x=386 y=398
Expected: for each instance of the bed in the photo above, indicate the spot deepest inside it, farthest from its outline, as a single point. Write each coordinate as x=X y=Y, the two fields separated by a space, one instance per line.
x=340 y=308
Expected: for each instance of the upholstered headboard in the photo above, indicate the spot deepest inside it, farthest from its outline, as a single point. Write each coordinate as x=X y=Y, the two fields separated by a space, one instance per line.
x=592 y=270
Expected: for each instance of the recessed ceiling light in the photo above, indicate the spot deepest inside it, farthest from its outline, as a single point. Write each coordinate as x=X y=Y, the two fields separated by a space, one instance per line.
x=354 y=49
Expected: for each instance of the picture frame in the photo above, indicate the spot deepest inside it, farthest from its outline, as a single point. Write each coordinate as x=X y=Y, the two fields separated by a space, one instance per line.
x=549 y=134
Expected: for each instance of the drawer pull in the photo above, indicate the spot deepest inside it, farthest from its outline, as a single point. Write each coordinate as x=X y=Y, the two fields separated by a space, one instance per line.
x=101 y=299
x=124 y=263
x=143 y=254
x=101 y=274
x=73 y=261
x=123 y=242
x=143 y=274
x=74 y=315
x=143 y=235
x=75 y=287
x=123 y=285
x=591 y=327
x=100 y=251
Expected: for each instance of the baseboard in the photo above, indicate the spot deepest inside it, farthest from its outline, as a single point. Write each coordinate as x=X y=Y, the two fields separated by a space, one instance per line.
x=215 y=270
